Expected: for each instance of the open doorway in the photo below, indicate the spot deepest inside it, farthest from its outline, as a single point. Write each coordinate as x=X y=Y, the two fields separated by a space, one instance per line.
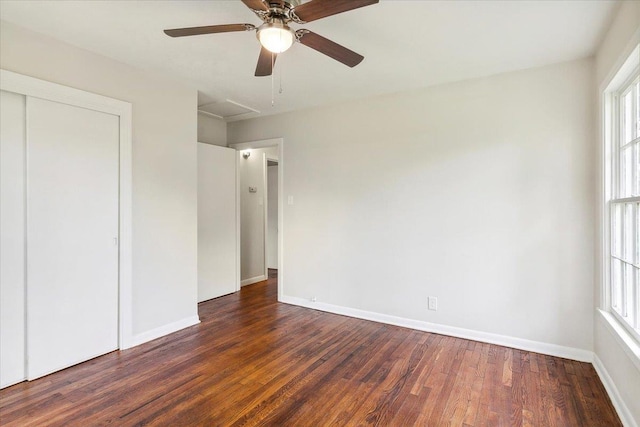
x=260 y=200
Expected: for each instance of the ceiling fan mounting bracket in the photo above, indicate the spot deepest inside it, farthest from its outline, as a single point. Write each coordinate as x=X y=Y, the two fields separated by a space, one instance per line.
x=295 y=18
x=300 y=33
x=262 y=14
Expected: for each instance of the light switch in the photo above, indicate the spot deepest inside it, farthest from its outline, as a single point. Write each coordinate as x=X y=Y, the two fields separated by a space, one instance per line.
x=290 y=200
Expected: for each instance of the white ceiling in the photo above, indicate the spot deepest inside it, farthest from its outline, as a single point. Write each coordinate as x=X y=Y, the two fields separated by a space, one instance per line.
x=406 y=44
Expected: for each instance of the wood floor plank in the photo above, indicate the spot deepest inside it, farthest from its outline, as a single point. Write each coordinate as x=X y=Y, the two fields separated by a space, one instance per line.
x=253 y=361
x=476 y=372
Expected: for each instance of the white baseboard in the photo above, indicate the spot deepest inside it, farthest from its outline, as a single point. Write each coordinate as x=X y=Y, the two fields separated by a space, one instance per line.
x=253 y=280
x=612 y=390
x=507 y=341
x=13 y=382
x=163 y=330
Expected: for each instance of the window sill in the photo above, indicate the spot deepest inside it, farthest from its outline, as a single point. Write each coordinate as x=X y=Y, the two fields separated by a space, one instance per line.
x=628 y=343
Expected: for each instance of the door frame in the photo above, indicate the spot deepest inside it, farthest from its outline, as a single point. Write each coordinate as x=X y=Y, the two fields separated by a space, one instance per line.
x=265 y=164
x=264 y=143
x=37 y=88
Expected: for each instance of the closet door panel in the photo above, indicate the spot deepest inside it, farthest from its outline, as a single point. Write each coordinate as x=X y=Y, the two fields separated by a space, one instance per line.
x=12 y=229
x=72 y=225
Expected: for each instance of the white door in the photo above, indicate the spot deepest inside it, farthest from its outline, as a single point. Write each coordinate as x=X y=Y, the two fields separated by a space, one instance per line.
x=217 y=222
x=12 y=211
x=72 y=226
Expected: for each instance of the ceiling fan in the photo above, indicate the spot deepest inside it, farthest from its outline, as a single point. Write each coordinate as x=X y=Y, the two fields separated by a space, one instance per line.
x=276 y=36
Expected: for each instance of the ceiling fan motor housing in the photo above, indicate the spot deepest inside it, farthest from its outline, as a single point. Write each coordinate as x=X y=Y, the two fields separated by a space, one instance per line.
x=291 y=3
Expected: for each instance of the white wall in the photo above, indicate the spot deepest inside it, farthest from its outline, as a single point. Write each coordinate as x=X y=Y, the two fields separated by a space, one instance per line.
x=479 y=193
x=164 y=169
x=272 y=216
x=12 y=238
x=212 y=130
x=252 y=174
x=623 y=34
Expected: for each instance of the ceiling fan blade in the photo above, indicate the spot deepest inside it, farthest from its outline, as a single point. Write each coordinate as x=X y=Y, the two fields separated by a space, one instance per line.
x=194 y=31
x=329 y=48
x=316 y=9
x=266 y=61
x=256 y=5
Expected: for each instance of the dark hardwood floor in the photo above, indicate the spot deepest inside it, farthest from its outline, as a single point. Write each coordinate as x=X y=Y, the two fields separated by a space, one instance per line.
x=254 y=361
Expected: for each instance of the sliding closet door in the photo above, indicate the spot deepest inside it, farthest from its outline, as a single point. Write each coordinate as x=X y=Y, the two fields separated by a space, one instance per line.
x=72 y=225
x=12 y=211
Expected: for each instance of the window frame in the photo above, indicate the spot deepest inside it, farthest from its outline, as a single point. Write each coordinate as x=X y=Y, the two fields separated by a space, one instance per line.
x=613 y=125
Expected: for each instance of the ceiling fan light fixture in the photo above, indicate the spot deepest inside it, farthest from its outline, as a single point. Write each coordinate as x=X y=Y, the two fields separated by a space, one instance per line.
x=275 y=36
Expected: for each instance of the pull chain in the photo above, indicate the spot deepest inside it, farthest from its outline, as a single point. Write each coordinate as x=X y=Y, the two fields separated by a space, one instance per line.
x=280 y=73
x=273 y=101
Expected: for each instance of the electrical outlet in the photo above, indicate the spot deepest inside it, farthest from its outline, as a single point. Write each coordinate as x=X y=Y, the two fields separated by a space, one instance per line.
x=433 y=303
x=313 y=299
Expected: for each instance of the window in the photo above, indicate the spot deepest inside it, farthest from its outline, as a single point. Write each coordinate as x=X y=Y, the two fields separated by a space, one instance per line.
x=624 y=201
